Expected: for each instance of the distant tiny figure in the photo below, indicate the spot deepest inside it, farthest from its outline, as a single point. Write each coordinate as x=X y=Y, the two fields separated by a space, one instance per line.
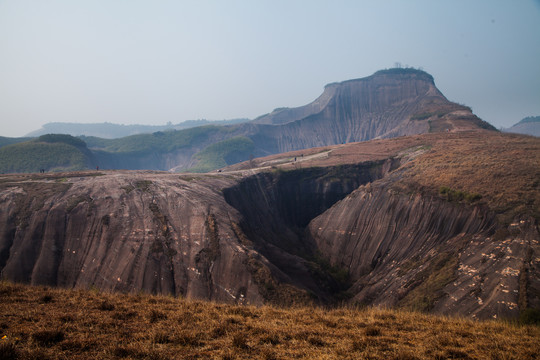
x=295 y=158
x=97 y=167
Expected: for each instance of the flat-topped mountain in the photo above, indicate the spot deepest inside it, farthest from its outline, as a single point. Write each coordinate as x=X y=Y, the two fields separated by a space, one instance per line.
x=444 y=222
x=390 y=103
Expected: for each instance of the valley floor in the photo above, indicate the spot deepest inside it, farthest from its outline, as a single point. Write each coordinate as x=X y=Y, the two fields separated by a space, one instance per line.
x=47 y=323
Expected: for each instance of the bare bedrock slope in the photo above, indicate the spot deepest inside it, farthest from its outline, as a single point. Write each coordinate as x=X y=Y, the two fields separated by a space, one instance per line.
x=453 y=230
x=125 y=232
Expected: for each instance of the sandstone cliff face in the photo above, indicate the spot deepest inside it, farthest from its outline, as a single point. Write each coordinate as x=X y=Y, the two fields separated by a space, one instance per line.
x=424 y=253
x=387 y=104
x=277 y=207
x=126 y=232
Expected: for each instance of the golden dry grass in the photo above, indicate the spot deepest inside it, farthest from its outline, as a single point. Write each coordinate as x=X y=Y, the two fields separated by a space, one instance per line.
x=503 y=168
x=45 y=323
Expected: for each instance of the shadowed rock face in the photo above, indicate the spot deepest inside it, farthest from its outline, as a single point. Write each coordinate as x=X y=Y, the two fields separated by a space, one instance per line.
x=282 y=236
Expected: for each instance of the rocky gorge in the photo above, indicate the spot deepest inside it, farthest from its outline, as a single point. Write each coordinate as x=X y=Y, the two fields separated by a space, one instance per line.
x=385 y=222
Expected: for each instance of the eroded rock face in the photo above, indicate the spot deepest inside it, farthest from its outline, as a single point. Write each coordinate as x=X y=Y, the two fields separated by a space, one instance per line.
x=126 y=232
x=384 y=105
x=424 y=253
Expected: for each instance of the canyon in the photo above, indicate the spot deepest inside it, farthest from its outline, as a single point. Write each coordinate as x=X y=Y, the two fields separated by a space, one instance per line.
x=444 y=222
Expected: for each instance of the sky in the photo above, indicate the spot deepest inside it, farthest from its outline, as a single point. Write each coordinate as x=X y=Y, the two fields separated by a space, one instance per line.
x=153 y=62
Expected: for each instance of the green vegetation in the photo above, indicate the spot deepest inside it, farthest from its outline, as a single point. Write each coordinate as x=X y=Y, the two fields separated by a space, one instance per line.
x=159 y=142
x=223 y=153
x=404 y=71
x=46 y=323
x=31 y=156
x=427 y=115
x=331 y=278
x=76 y=200
x=143 y=185
x=63 y=139
x=8 y=141
x=530 y=317
x=457 y=195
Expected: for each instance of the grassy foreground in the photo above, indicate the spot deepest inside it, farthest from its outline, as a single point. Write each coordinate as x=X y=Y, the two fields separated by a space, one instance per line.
x=45 y=323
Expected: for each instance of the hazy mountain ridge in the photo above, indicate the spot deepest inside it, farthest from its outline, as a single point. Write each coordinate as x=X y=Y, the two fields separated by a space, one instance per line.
x=113 y=131
x=389 y=103
x=527 y=126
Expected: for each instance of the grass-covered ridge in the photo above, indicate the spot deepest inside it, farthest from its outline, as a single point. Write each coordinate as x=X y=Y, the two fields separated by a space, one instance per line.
x=49 y=152
x=223 y=153
x=45 y=323
x=496 y=170
x=9 y=140
x=159 y=142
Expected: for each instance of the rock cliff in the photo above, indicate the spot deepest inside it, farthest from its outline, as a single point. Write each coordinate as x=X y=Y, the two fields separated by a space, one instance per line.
x=424 y=253
x=390 y=103
x=125 y=232
x=444 y=222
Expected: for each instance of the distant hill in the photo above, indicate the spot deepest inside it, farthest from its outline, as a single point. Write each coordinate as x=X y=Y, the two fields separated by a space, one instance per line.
x=528 y=126
x=112 y=131
x=8 y=141
x=390 y=103
x=48 y=152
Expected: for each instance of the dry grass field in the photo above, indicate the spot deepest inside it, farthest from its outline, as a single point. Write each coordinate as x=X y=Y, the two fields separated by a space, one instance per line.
x=46 y=323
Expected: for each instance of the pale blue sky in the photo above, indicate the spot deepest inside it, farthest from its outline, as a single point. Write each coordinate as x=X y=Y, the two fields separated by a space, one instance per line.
x=150 y=62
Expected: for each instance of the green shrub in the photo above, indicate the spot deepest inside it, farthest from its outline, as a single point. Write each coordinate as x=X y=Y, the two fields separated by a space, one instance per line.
x=458 y=195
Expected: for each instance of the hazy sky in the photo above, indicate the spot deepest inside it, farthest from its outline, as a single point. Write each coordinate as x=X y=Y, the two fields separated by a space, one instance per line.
x=150 y=62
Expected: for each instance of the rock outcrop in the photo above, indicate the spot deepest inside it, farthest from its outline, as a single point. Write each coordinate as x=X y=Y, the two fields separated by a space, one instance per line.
x=366 y=223
x=423 y=253
x=126 y=232
x=390 y=103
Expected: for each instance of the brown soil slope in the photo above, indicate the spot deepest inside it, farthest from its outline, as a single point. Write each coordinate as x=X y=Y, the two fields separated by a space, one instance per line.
x=443 y=222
